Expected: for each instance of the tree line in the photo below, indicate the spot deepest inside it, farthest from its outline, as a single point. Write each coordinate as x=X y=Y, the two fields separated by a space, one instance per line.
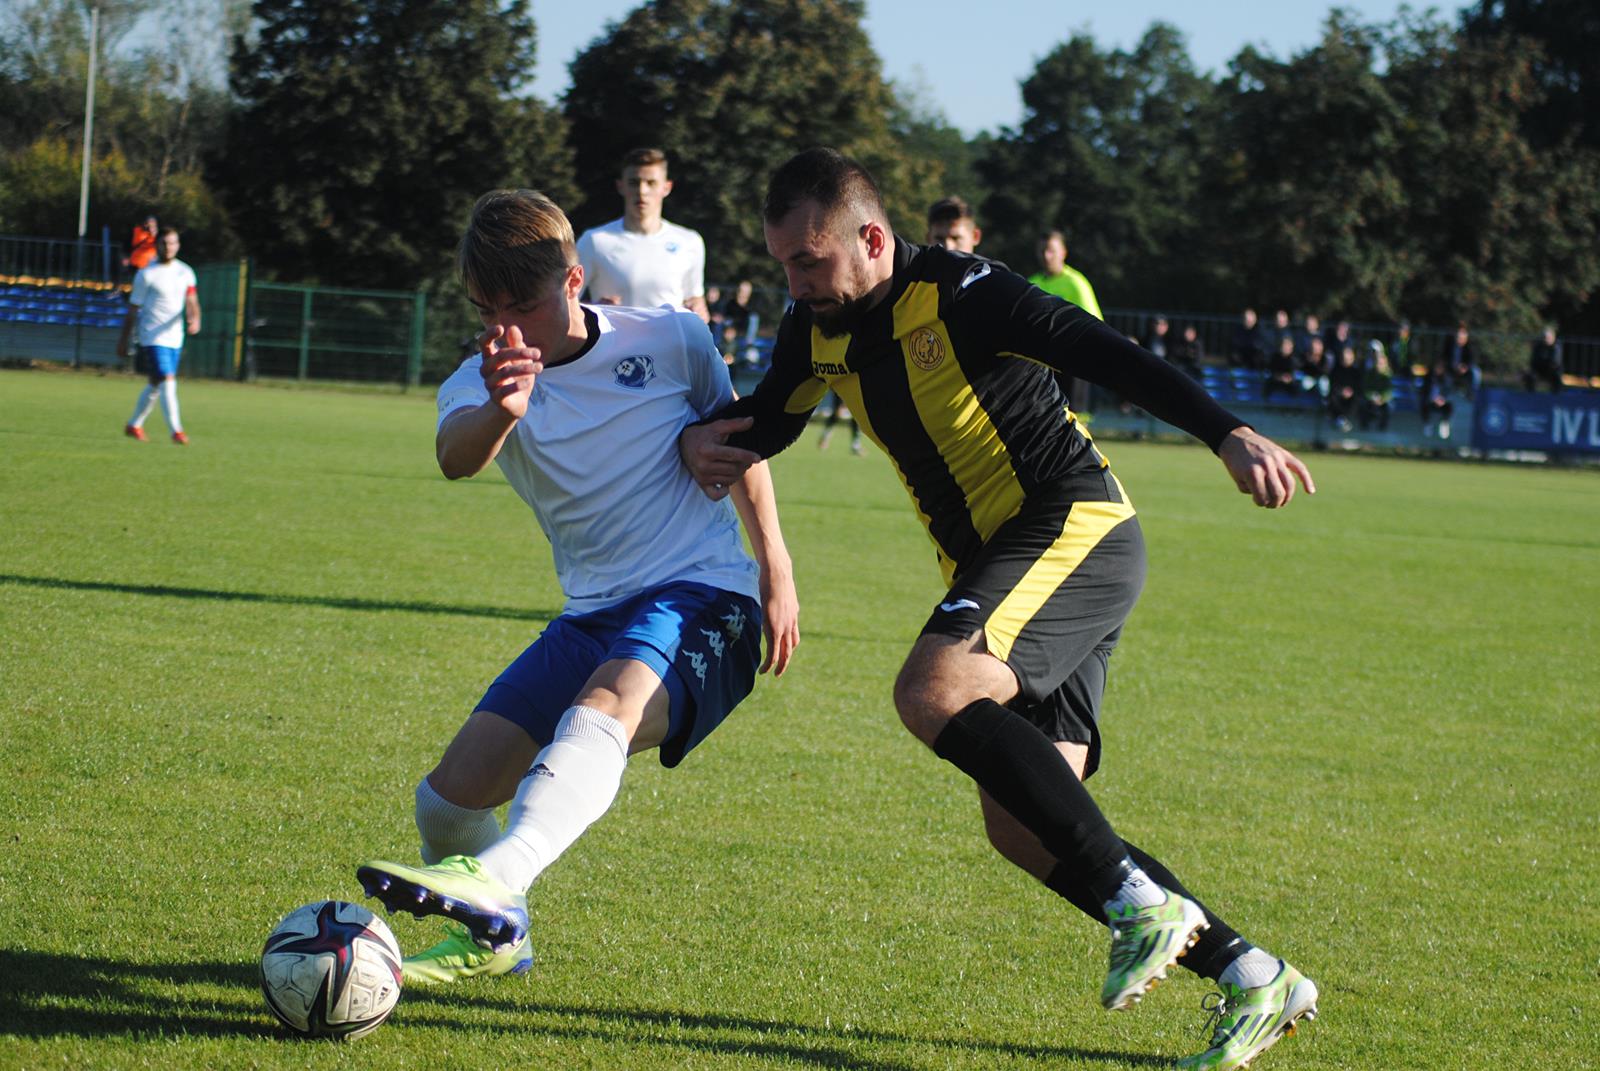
x=1426 y=168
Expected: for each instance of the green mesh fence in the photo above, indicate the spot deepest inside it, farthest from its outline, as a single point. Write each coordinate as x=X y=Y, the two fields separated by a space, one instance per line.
x=309 y=332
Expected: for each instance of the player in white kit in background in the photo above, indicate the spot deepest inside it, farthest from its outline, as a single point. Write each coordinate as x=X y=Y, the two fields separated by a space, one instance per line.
x=641 y=259
x=659 y=639
x=163 y=305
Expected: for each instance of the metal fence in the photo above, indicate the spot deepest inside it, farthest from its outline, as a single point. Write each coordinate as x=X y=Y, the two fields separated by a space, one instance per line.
x=53 y=261
x=309 y=332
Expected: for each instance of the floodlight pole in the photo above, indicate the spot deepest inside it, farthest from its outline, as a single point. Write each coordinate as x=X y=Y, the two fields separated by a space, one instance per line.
x=88 y=123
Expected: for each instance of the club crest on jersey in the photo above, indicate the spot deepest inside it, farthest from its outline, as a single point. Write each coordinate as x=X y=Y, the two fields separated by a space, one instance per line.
x=634 y=371
x=672 y=247
x=926 y=348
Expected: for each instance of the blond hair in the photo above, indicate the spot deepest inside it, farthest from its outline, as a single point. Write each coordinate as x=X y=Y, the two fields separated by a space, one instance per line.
x=517 y=242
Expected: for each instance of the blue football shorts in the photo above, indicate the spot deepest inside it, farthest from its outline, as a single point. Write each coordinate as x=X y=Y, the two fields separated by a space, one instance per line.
x=703 y=642
x=162 y=361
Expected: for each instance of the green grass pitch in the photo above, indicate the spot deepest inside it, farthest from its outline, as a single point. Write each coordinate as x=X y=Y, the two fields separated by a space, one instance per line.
x=1366 y=729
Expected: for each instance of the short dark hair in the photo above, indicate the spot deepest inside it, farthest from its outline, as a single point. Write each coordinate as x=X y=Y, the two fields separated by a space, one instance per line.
x=164 y=231
x=828 y=177
x=949 y=209
x=644 y=157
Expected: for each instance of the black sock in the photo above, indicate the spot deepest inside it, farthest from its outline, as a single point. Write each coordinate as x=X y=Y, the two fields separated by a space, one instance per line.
x=1021 y=769
x=1217 y=947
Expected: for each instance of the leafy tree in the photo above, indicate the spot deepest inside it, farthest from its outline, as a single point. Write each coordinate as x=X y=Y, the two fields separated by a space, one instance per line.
x=1566 y=65
x=730 y=89
x=365 y=129
x=1110 y=149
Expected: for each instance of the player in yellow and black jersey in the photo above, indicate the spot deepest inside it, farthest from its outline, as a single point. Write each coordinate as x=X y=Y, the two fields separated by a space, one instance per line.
x=946 y=360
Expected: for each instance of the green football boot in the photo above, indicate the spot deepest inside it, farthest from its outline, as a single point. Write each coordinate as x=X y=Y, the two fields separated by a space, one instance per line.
x=458 y=956
x=1145 y=943
x=456 y=887
x=1247 y=1022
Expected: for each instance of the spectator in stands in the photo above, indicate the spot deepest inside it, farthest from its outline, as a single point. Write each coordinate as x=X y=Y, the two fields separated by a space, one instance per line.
x=142 y=244
x=1186 y=354
x=1544 y=363
x=736 y=310
x=714 y=308
x=1404 y=355
x=728 y=343
x=1159 y=340
x=1377 y=389
x=1434 y=398
x=1311 y=329
x=163 y=304
x=1281 y=377
x=952 y=225
x=642 y=259
x=1247 y=350
x=1461 y=359
x=1336 y=339
x=1315 y=365
x=1344 y=389
x=1280 y=331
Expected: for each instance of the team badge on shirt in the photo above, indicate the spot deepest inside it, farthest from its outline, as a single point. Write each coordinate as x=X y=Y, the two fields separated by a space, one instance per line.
x=926 y=348
x=634 y=371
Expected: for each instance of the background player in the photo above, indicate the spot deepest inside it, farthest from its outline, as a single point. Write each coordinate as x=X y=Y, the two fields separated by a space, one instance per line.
x=581 y=408
x=163 y=304
x=952 y=225
x=642 y=259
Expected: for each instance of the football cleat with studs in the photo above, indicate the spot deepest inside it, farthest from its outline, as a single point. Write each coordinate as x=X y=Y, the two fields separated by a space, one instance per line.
x=1145 y=943
x=456 y=887
x=1244 y=1023
x=458 y=956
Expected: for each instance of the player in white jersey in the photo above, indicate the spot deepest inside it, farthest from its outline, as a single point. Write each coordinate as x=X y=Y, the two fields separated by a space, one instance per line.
x=581 y=408
x=642 y=259
x=163 y=304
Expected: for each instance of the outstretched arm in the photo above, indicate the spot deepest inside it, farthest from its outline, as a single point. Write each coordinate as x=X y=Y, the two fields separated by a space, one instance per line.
x=758 y=507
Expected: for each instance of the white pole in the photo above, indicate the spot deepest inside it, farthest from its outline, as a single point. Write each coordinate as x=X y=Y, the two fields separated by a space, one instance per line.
x=88 y=123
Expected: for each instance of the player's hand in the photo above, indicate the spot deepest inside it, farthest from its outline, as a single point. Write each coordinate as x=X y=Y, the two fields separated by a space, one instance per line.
x=508 y=370
x=1262 y=469
x=715 y=465
x=780 y=612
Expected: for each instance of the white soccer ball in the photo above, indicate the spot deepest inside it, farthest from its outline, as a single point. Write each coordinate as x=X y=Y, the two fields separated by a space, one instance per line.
x=331 y=970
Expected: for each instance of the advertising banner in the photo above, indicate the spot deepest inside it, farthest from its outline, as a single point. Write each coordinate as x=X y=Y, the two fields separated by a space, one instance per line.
x=1565 y=423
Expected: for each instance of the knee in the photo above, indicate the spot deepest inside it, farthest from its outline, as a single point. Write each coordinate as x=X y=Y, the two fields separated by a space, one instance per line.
x=920 y=706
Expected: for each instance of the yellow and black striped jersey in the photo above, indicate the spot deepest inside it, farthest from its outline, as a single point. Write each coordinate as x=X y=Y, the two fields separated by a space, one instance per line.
x=951 y=374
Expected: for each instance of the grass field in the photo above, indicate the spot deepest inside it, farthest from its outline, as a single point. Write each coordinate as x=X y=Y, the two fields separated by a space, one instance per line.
x=1366 y=729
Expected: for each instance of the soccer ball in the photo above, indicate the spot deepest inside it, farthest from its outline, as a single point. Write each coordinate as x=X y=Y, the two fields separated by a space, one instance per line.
x=331 y=970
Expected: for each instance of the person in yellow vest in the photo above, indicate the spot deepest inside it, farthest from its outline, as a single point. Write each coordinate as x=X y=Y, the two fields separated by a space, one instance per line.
x=1058 y=279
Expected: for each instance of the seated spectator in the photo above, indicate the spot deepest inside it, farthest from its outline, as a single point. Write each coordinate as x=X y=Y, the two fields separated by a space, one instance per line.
x=1280 y=330
x=1247 y=351
x=1281 y=377
x=1434 y=399
x=1158 y=337
x=714 y=307
x=1315 y=365
x=1303 y=337
x=1344 y=389
x=736 y=310
x=728 y=344
x=1377 y=389
x=1186 y=353
x=1461 y=360
x=1335 y=339
x=1544 y=363
x=1404 y=356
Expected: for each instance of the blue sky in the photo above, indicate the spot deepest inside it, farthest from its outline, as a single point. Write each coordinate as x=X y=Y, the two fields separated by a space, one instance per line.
x=970 y=56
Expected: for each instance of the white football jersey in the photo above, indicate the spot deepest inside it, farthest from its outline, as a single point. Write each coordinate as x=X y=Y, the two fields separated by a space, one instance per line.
x=159 y=291
x=643 y=270
x=596 y=456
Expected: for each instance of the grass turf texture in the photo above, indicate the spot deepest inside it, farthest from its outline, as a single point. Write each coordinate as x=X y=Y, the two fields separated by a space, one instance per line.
x=1362 y=728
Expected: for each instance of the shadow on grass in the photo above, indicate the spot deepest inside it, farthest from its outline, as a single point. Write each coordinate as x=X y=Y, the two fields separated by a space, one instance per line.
x=331 y=602
x=46 y=995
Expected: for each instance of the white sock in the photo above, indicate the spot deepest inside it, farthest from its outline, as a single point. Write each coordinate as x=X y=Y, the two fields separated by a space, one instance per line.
x=448 y=829
x=169 y=404
x=1253 y=969
x=572 y=784
x=141 y=408
x=1138 y=889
